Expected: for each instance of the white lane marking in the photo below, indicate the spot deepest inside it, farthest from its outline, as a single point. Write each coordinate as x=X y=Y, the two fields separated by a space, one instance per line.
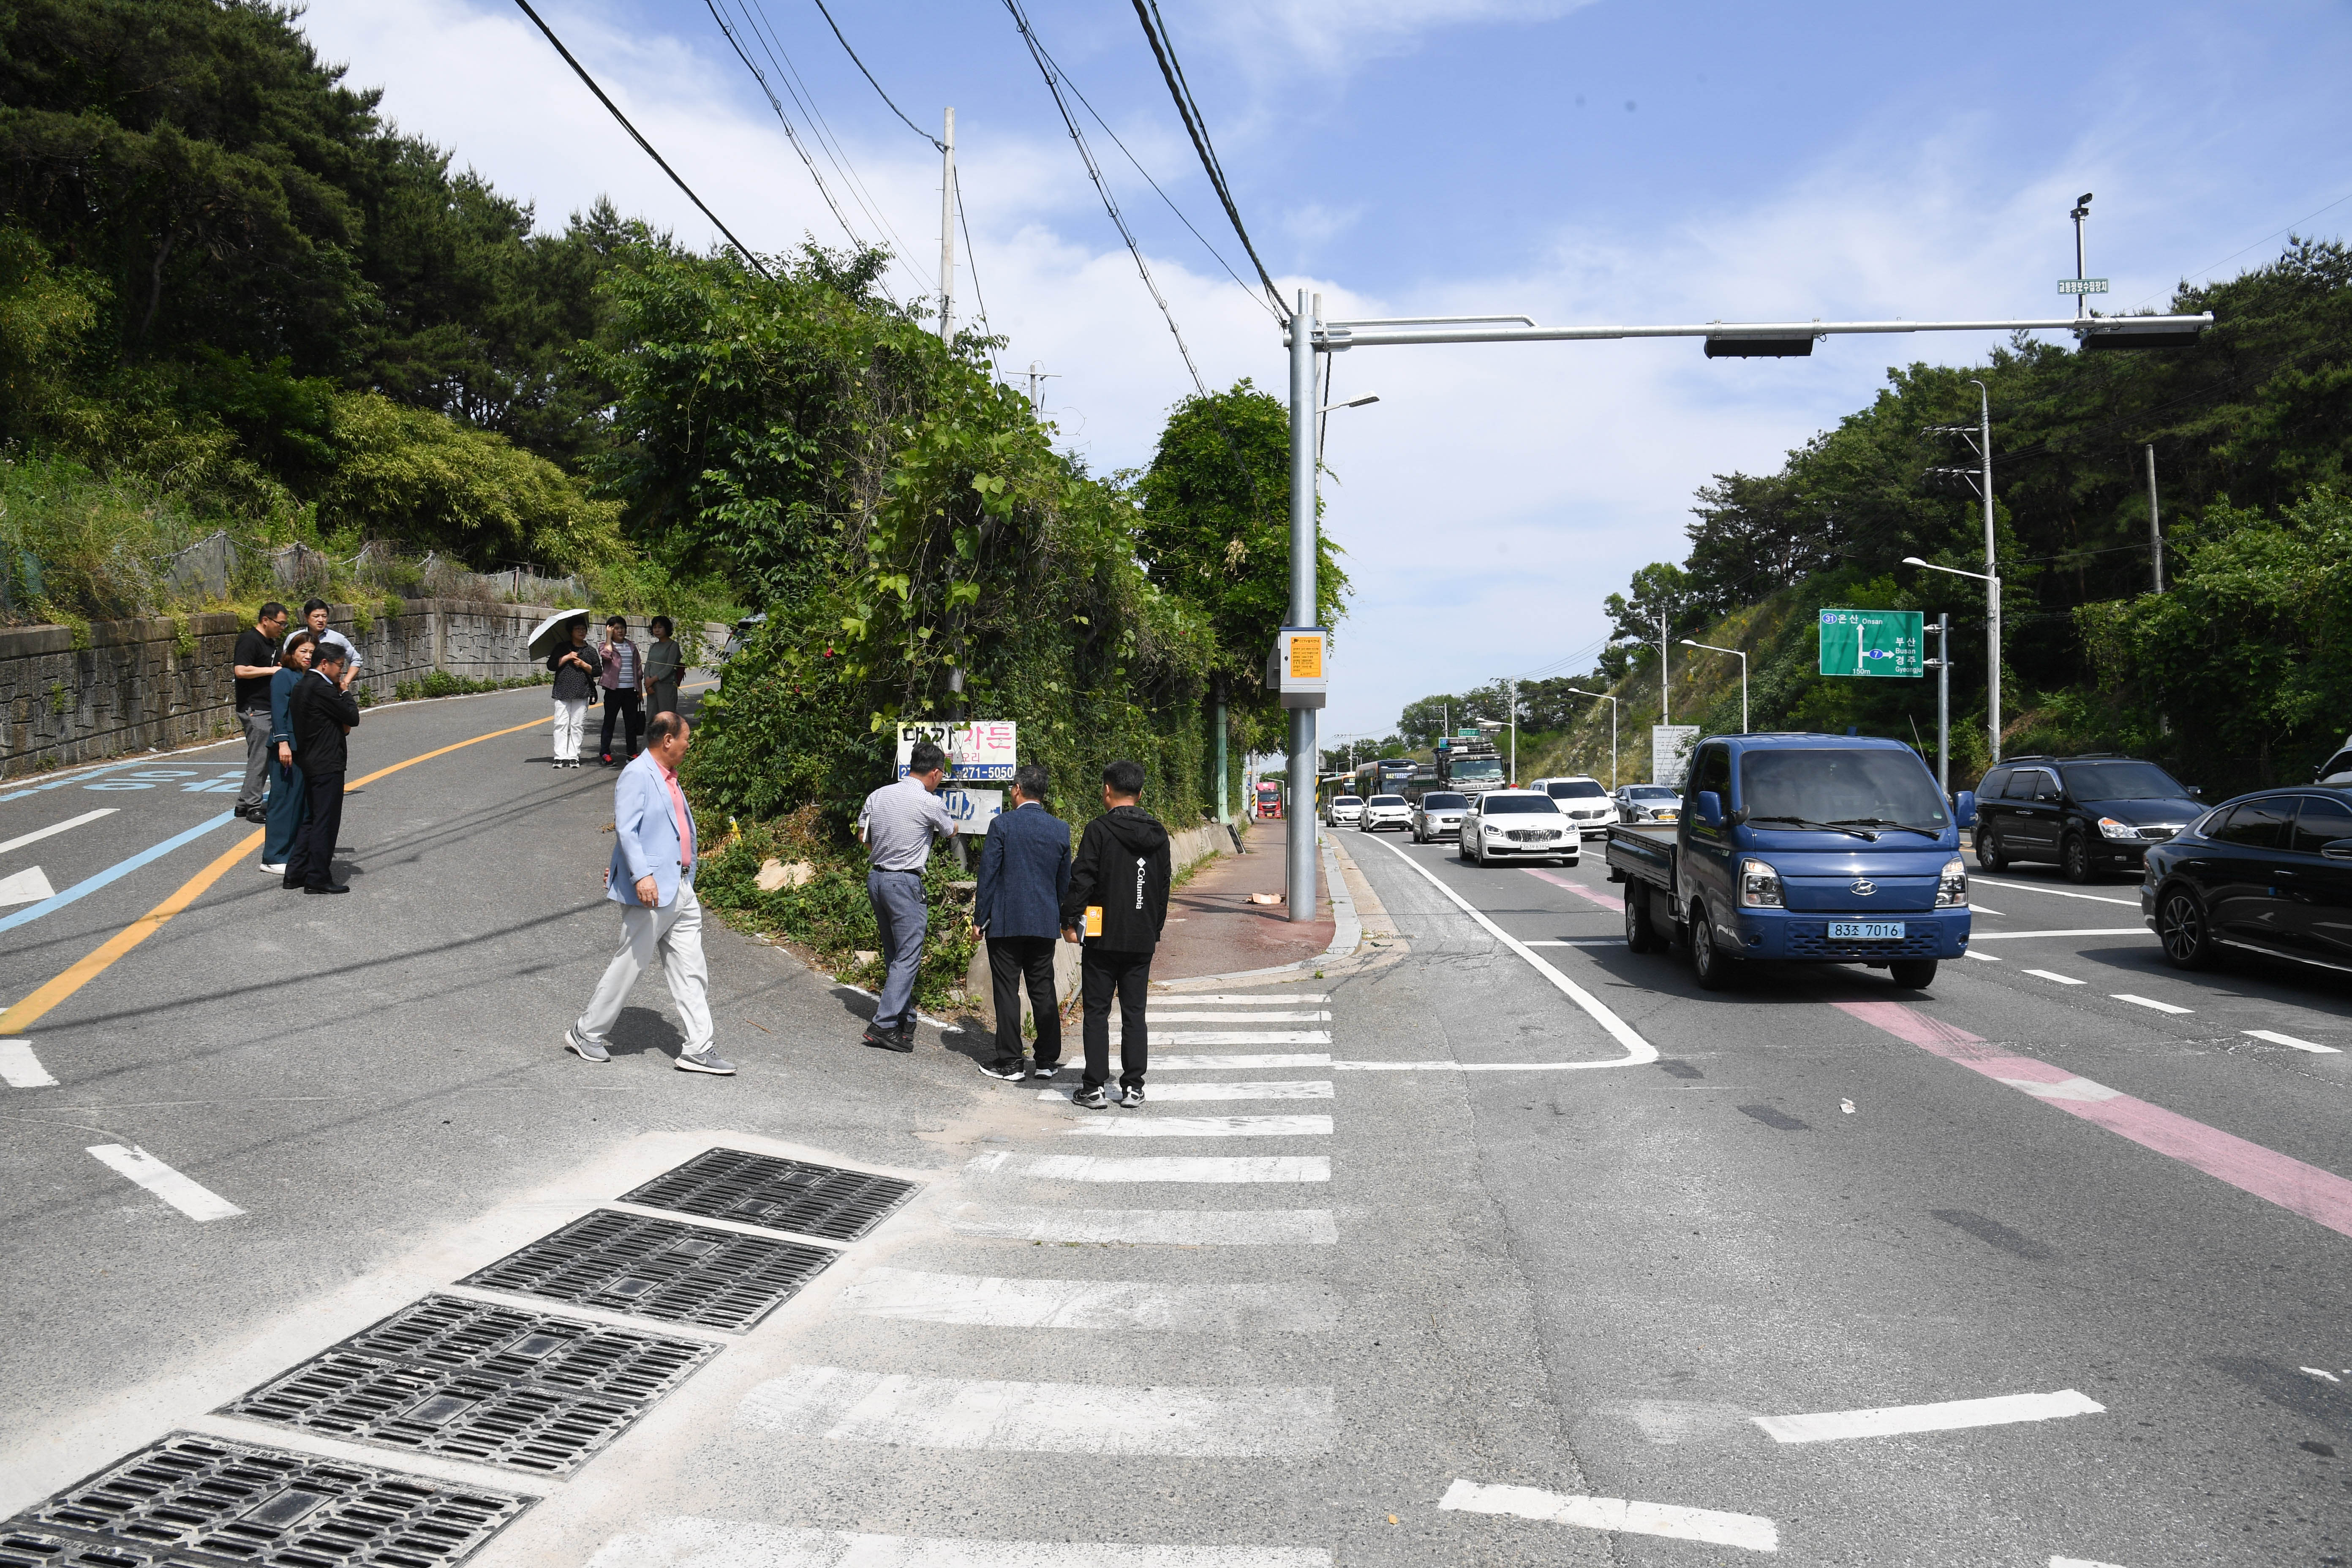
x=1186 y=999
x=1203 y=1127
x=2054 y=974
x=199 y=1204
x=1673 y=1521
x=1161 y=1093
x=1637 y=1050
x=1160 y=1037
x=2081 y=1089
x=840 y=1404
x=1986 y=957
x=1582 y=942
x=2320 y=1371
x=20 y=1069
x=2074 y=930
x=29 y=886
x=1979 y=908
x=2146 y=1002
x=1148 y=1227
x=2081 y=1563
x=1167 y=1168
x=2278 y=1039
x=1471 y=1067
x=914 y=1296
x=1218 y=1064
x=1832 y=1425
x=1158 y=1017
x=1980 y=879
x=685 y=1543
x=56 y=828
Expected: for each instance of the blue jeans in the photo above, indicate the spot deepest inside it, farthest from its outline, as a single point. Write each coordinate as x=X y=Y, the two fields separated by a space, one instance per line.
x=901 y=916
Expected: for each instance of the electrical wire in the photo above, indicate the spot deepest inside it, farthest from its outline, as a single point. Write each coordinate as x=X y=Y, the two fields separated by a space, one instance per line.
x=791 y=134
x=972 y=265
x=1094 y=172
x=1163 y=49
x=582 y=71
x=2256 y=245
x=937 y=145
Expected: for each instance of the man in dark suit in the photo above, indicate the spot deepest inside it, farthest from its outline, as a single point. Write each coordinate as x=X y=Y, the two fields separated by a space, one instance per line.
x=322 y=714
x=1025 y=869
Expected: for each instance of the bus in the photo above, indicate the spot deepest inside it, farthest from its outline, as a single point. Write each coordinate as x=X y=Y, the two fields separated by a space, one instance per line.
x=1389 y=775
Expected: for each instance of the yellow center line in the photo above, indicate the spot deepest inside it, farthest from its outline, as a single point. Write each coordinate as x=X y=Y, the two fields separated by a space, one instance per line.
x=28 y=1012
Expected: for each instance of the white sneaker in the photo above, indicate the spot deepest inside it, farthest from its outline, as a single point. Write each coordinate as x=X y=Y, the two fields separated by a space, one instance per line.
x=267 y=869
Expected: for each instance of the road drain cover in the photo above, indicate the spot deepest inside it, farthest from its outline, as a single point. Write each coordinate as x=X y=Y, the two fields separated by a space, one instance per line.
x=659 y=1268
x=195 y=1502
x=472 y=1380
x=782 y=1195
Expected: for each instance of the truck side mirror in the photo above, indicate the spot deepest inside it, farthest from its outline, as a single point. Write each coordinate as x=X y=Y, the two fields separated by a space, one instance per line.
x=1710 y=808
x=1964 y=808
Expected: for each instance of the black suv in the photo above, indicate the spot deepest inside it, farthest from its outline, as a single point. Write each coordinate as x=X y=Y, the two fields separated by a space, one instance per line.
x=2089 y=814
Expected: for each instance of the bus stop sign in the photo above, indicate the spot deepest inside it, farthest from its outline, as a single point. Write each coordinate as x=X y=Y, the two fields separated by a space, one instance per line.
x=1873 y=642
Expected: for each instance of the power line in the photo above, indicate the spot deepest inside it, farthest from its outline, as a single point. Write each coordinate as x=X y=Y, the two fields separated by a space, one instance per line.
x=582 y=71
x=937 y=145
x=2256 y=245
x=1163 y=49
x=790 y=134
x=972 y=265
x=1094 y=172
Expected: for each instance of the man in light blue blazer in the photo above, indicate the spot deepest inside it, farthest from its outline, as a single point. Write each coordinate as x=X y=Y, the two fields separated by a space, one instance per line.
x=652 y=879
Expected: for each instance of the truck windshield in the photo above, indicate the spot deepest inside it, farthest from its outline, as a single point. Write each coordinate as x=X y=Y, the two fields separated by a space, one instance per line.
x=1867 y=786
x=2122 y=781
x=1575 y=789
x=1476 y=770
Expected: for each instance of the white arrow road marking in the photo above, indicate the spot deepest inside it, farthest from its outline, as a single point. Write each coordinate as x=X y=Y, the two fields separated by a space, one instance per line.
x=27 y=887
x=914 y=1296
x=20 y=1069
x=1999 y=1411
x=2278 y=1039
x=681 y=1542
x=56 y=828
x=199 y=1204
x=1617 y=1514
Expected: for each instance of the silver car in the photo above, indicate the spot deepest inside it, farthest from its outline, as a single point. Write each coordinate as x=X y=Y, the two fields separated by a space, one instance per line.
x=1649 y=802
x=1385 y=811
x=1438 y=815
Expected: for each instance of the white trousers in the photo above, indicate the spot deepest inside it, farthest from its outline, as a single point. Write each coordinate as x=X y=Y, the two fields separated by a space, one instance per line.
x=570 y=722
x=675 y=930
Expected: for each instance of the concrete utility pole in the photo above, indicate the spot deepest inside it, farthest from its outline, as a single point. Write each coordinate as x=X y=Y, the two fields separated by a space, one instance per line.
x=2154 y=533
x=1036 y=376
x=1993 y=570
x=1943 y=629
x=1515 y=734
x=947 y=230
x=1299 y=872
x=1664 y=717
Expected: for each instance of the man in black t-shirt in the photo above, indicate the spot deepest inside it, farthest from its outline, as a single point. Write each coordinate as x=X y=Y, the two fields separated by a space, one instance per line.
x=256 y=660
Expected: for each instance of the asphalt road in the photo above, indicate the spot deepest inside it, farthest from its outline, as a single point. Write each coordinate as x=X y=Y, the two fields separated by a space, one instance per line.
x=1457 y=1256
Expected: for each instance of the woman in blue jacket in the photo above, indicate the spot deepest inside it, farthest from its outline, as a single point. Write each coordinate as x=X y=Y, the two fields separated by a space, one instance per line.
x=284 y=814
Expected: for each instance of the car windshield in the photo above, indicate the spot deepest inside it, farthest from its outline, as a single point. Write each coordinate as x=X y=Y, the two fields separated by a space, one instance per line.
x=1651 y=792
x=1387 y=800
x=1519 y=805
x=2122 y=781
x=1443 y=800
x=1575 y=789
x=1346 y=800
x=1871 y=787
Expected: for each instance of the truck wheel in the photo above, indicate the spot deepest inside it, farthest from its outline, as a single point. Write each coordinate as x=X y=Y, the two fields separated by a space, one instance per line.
x=1912 y=973
x=1709 y=964
x=1641 y=930
x=1989 y=854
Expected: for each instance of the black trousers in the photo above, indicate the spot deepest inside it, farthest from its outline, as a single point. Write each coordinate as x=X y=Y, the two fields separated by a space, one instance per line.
x=1101 y=972
x=619 y=705
x=313 y=864
x=1011 y=959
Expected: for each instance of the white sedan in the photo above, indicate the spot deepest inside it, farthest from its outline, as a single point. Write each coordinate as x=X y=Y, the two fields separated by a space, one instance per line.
x=1519 y=824
x=1385 y=811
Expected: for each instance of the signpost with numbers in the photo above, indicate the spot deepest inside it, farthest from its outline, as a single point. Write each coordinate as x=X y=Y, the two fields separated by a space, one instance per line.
x=1873 y=642
x=977 y=750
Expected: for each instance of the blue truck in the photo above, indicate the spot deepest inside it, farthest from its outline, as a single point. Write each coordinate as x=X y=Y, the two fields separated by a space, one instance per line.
x=1803 y=848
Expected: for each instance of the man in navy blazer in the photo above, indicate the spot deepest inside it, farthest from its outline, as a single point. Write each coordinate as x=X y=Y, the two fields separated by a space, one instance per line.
x=1025 y=869
x=652 y=879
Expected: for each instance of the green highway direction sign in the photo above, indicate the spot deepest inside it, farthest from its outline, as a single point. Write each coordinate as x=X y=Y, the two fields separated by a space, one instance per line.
x=1872 y=642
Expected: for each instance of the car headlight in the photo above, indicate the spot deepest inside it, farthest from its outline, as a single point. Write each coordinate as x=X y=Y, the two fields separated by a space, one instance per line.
x=2110 y=829
x=1759 y=885
x=1952 y=887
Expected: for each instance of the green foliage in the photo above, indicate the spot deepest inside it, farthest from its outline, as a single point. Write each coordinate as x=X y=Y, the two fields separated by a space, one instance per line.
x=441 y=683
x=75 y=547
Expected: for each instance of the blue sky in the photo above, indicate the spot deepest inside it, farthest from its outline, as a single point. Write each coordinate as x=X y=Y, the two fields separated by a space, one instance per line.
x=1416 y=156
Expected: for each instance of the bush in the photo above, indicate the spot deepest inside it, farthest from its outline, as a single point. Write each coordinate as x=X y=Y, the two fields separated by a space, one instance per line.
x=441 y=683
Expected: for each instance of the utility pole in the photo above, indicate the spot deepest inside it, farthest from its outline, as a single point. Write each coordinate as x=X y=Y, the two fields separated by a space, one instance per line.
x=1992 y=572
x=947 y=230
x=2154 y=533
x=1664 y=716
x=1943 y=629
x=1036 y=376
x=1299 y=871
x=1514 y=732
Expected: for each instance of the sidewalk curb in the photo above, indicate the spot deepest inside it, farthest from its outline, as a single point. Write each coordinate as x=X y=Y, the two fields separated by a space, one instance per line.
x=1353 y=901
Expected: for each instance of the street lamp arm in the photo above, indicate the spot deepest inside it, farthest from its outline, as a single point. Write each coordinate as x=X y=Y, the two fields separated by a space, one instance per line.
x=1955 y=570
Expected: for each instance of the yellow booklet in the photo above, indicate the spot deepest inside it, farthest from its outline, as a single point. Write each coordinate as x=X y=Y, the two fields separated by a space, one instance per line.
x=1094 y=920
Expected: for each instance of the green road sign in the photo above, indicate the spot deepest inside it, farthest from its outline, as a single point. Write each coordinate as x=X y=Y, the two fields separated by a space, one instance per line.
x=1872 y=642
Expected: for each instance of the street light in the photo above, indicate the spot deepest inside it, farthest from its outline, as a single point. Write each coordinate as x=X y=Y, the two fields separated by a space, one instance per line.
x=1604 y=697
x=1992 y=604
x=1351 y=403
x=1743 y=675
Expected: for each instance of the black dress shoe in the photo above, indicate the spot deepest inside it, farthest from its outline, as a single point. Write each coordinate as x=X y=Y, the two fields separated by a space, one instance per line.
x=329 y=887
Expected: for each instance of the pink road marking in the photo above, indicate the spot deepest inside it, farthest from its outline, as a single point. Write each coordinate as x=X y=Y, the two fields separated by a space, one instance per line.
x=2272 y=1177
x=1604 y=900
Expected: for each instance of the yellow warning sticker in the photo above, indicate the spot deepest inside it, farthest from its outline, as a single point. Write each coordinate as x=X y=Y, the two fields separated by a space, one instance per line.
x=1307 y=658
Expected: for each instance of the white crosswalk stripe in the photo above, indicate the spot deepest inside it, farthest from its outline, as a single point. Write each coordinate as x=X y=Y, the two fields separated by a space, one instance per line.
x=1223 y=1063
x=1280 y=1089
x=686 y=1543
x=1149 y=1227
x=1160 y=1037
x=1127 y=1126
x=914 y=1295
x=1279 y=1168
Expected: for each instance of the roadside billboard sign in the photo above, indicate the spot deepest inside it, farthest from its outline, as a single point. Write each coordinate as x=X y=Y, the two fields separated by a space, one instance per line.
x=1873 y=643
x=978 y=750
x=1669 y=750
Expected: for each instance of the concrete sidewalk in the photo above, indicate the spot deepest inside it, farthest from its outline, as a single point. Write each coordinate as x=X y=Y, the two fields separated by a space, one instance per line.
x=1213 y=929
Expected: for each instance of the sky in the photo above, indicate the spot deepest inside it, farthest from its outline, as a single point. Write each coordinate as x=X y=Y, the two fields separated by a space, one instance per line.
x=1577 y=161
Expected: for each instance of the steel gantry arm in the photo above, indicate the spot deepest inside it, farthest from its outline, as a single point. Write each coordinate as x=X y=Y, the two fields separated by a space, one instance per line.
x=2135 y=332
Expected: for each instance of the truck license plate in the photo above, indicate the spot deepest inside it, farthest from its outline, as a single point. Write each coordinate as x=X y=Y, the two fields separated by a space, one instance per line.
x=1865 y=930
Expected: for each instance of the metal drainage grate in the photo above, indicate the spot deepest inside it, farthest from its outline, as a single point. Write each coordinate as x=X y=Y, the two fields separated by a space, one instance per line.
x=193 y=1502
x=498 y=1385
x=782 y=1195
x=659 y=1268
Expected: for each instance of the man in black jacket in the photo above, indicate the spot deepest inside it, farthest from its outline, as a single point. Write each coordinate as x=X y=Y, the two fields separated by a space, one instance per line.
x=1116 y=903
x=321 y=713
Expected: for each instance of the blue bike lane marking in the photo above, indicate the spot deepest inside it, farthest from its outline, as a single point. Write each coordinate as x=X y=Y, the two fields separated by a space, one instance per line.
x=120 y=869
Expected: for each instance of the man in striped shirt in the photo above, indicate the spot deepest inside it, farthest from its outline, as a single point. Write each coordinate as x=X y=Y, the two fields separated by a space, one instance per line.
x=622 y=679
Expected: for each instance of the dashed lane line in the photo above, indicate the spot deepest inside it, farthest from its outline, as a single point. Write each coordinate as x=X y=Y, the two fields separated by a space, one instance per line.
x=1146 y=1227
x=56 y=828
x=840 y=1404
x=2002 y=1410
x=910 y=1295
x=2319 y=1195
x=1618 y=1515
x=680 y=1542
x=2081 y=1563
x=200 y=1204
x=1984 y=957
x=2052 y=974
x=2148 y=1002
x=2278 y=1039
x=20 y=1069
